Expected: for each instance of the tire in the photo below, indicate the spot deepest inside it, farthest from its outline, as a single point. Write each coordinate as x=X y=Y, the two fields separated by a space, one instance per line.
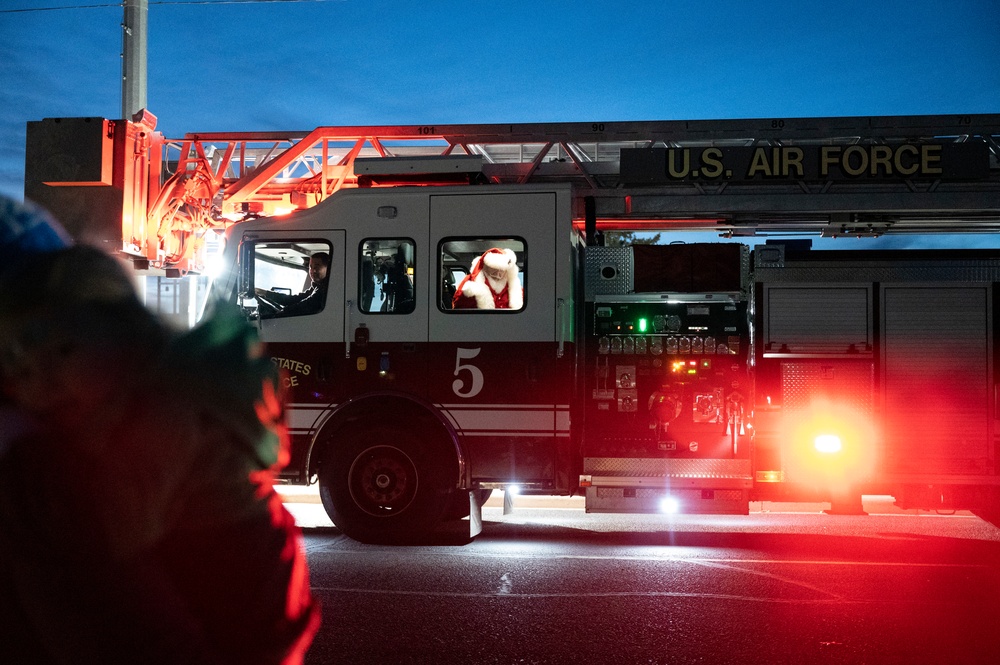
x=384 y=485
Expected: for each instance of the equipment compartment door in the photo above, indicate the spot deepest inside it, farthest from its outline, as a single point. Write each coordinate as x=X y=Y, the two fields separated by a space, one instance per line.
x=509 y=388
x=936 y=369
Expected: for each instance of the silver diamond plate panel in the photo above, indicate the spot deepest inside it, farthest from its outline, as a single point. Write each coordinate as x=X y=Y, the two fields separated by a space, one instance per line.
x=746 y=283
x=769 y=256
x=667 y=468
x=610 y=271
x=802 y=382
x=647 y=500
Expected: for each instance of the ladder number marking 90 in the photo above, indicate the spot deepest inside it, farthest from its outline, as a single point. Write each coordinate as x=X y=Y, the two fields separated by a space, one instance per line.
x=476 y=374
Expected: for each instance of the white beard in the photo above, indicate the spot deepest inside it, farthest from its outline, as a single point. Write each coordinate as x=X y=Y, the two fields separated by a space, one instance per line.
x=496 y=285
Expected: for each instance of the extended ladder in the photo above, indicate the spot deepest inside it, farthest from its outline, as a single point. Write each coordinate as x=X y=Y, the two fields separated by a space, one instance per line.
x=217 y=178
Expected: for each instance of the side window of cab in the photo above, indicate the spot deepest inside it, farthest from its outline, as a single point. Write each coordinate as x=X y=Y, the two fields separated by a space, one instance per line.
x=387 y=276
x=285 y=278
x=482 y=275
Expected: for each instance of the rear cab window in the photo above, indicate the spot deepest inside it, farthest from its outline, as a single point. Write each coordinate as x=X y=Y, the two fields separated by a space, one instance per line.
x=481 y=275
x=388 y=272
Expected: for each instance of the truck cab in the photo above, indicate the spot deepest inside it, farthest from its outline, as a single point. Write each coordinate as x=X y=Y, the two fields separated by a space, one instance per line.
x=399 y=403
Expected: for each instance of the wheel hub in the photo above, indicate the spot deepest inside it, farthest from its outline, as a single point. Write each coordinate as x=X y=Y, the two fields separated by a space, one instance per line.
x=383 y=481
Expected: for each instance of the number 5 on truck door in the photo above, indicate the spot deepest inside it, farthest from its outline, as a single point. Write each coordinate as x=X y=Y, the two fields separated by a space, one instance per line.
x=476 y=383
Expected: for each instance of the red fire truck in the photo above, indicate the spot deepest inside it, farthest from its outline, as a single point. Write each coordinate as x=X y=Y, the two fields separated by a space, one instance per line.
x=693 y=377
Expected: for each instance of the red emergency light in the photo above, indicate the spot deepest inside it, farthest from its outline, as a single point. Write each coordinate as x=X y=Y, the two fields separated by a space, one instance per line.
x=829 y=444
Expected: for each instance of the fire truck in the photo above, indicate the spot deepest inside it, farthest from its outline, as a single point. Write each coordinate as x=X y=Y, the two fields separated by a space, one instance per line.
x=696 y=376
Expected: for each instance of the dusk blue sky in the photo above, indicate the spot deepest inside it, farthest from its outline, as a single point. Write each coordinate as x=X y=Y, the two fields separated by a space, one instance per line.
x=239 y=66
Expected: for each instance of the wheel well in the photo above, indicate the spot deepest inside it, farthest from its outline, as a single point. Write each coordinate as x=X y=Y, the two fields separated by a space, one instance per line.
x=435 y=431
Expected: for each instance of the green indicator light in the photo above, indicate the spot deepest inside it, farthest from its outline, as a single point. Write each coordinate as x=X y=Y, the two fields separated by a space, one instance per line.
x=642 y=325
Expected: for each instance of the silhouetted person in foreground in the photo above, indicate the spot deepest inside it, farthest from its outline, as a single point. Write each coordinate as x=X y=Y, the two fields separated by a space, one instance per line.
x=138 y=521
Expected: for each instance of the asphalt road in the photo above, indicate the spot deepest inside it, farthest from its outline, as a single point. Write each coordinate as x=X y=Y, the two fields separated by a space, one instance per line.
x=551 y=584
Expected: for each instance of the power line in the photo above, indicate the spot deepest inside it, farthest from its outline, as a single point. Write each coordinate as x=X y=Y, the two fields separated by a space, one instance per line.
x=56 y=9
x=159 y=2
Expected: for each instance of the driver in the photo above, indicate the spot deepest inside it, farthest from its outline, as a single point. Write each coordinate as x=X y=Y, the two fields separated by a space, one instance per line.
x=309 y=301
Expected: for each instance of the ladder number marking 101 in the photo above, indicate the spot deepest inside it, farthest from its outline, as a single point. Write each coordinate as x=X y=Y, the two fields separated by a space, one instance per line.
x=476 y=373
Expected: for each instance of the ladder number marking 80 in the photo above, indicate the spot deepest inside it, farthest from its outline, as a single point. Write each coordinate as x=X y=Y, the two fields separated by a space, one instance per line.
x=476 y=374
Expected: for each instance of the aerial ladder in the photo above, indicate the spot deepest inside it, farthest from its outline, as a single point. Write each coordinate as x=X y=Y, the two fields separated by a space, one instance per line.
x=172 y=192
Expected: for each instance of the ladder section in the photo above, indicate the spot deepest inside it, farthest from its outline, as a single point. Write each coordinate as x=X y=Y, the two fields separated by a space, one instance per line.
x=756 y=176
x=276 y=172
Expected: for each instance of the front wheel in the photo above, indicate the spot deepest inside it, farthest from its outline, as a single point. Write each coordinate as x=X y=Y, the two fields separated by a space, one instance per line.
x=383 y=485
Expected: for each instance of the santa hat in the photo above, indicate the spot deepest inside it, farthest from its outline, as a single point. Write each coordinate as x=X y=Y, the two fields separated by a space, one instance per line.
x=474 y=284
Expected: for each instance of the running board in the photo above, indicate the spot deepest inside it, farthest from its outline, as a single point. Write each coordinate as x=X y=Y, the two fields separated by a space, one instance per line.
x=638 y=485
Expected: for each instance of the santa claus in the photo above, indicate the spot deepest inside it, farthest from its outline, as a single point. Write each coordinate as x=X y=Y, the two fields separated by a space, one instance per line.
x=492 y=283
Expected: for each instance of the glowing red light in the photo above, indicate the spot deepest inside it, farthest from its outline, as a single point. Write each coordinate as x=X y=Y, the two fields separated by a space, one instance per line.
x=829 y=443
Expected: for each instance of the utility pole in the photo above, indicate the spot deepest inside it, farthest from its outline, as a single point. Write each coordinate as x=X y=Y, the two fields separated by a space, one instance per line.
x=135 y=33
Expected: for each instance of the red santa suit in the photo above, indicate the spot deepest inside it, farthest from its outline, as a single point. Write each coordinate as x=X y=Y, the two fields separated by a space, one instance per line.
x=479 y=290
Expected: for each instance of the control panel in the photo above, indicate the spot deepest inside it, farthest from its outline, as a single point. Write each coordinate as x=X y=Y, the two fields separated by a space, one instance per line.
x=670 y=328
x=667 y=378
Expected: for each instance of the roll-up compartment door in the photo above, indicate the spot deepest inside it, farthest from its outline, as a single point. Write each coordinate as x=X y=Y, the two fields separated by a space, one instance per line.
x=817 y=319
x=937 y=364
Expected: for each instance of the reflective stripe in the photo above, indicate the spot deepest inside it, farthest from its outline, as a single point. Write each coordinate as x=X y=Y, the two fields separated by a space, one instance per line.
x=512 y=435
x=467 y=419
x=496 y=419
x=509 y=419
x=304 y=416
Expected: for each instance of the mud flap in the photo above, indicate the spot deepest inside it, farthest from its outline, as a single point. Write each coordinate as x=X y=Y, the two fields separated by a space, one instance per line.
x=475 y=516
